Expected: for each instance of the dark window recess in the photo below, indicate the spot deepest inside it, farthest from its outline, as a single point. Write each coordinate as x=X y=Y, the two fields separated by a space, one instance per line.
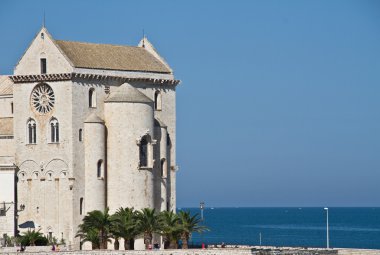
x=81 y=206
x=99 y=170
x=144 y=152
x=43 y=65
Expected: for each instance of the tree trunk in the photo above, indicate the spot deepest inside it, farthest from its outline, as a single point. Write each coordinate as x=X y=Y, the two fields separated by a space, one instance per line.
x=184 y=244
x=127 y=244
x=116 y=244
x=173 y=244
x=148 y=240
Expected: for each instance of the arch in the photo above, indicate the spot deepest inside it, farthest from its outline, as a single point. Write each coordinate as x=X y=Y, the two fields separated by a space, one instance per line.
x=29 y=166
x=35 y=175
x=22 y=176
x=31 y=131
x=99 y=169
x=57 y=163
x=49 y=175
x=57 y=166
x=92 y=98
x=157 y=101
x=63 y=174
x=54 y=130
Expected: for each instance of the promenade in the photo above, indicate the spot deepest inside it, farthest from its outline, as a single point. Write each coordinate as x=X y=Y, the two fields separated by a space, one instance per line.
x=210 y=251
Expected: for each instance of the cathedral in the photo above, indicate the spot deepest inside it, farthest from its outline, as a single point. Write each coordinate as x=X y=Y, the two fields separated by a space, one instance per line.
x=85 y=126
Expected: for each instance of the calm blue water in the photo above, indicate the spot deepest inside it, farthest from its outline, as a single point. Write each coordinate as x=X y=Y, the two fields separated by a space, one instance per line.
x=349 y=227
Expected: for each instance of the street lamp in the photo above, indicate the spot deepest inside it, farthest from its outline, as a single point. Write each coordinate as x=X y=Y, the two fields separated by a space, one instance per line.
x=202 y=206
x=327 y=227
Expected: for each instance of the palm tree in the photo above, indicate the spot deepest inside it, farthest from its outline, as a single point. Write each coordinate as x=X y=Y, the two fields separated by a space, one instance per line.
x=189 y=224
x=89 y=235
x=147 y=224
x=97 y=221
x=170 y=229
x=124 y=224
x=30 y=237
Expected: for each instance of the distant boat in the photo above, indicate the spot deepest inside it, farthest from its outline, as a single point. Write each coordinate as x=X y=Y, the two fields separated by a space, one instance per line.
x=212 y=208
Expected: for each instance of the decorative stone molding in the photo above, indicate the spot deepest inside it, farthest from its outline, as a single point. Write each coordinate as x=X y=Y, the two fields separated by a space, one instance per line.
x=71 y=76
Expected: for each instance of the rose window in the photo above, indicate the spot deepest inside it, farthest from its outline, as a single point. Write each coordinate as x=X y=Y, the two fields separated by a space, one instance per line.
x=43 y=98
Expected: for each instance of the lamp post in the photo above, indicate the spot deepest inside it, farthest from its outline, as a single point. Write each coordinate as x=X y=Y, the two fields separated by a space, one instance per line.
x=202 y=206
x=327 y=228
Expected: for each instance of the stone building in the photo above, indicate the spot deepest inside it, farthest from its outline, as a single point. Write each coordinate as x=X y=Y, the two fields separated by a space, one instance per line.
x=86 y=126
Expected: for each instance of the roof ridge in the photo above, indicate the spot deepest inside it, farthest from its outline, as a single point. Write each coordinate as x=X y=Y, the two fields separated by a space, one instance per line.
x=108 y=44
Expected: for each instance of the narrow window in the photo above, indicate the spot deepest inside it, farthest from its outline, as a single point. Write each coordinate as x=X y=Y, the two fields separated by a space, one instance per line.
x=80 y=135
x=163 y=165
x=157 y=101
x=43 y=65
x=81 y=206
x=92 y=98
x=144 y=152
x=54 y=130
x=12 y=107
x=32 y=133
x=99 y=169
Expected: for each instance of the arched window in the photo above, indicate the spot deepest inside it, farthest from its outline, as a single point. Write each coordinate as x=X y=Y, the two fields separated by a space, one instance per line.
x=92 y=98
x=144 y=152
x=80 y=135
x=99 y=172
x=32 y=131
x=157 y=101
x=54 y=130
x=81 y=206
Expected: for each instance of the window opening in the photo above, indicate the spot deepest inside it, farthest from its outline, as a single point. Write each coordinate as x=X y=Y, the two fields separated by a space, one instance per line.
x=54 y=130
x=32 y=133
x=162 y=167
x=157 y=101
x=81 y=206
x=99 y=169
x=144 y=152
x=43 y=65
x=92 y=98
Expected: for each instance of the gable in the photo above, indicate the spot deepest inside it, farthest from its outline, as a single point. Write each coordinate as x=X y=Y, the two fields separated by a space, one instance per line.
x=43 y=46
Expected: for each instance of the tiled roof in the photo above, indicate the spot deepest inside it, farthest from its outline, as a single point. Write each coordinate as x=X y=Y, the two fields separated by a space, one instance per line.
x=127 y=93
x=111 y=57
x=6 y=126
x=6 y=85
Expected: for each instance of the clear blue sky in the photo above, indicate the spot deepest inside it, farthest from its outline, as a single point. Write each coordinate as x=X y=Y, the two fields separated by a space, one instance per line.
x=280 y=100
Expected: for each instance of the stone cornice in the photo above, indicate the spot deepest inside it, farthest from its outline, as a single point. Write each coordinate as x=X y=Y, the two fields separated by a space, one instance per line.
x=72 y=76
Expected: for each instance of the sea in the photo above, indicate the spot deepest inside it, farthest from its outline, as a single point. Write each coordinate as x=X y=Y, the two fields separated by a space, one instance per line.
x=292 y=227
